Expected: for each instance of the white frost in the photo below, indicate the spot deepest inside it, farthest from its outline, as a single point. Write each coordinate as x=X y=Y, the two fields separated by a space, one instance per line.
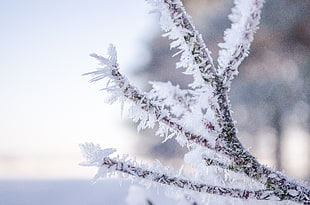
x=94 y=155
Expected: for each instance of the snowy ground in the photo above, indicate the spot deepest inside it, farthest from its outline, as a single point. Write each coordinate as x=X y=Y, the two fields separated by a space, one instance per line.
x=75 y=192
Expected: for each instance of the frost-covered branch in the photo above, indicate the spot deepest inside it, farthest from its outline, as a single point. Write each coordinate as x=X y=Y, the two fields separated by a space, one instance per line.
x=195 y=56
x=199 y=117
x=177 y=101
x=95 y=156
x=107 y=165
x=237 y=39
x=120 y=87
x=244 y=162
x=283 y=187
x=245 y=19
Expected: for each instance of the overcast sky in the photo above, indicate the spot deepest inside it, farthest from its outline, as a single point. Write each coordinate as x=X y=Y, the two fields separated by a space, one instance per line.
x=46 y=107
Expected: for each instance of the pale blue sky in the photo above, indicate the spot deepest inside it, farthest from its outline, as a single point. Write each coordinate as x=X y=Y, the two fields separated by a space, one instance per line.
x=46 y=107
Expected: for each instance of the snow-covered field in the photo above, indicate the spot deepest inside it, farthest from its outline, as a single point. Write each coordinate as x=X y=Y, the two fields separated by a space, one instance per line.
x=75 y=192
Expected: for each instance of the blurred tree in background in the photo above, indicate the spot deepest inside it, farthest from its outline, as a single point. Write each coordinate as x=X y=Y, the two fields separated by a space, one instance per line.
x=272 y=90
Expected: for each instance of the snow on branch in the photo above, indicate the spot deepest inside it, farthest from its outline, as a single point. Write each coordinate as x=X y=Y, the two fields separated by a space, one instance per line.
x=200 y=118
x=283 y=187
x=146 y=110
x=100 y=158
x=176 y=100
x=195 y=56
x=245 y=19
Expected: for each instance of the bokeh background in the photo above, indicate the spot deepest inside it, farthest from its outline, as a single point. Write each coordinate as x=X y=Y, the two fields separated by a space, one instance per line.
x=47 y=108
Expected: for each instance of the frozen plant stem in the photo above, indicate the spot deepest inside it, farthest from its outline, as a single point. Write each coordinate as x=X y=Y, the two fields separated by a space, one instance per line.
x=205 y=102
x=177 y=182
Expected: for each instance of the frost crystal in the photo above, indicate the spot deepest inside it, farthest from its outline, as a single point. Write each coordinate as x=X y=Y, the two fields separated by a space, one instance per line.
x=94 y=155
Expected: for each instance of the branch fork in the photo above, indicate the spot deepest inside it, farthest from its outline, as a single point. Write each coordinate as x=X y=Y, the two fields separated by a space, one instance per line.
x=200 y=116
